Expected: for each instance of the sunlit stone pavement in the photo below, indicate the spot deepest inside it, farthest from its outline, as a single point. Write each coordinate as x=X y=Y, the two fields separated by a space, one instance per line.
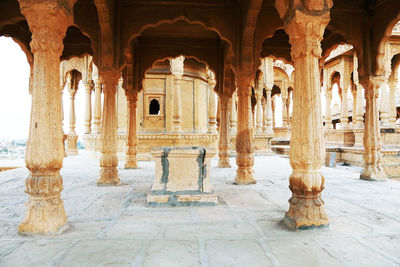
x=113 y=226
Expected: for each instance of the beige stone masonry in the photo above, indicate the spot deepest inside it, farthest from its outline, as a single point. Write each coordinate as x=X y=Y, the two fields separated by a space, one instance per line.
x=131 y=140
x=305 y=30
x=244 y=148
x=45 y=214
x=109 y=158
x=372 y=136
x=182 y=177
x=223 y=152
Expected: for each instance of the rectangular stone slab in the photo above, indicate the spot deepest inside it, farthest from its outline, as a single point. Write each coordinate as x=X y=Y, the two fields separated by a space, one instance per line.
x=182 y=176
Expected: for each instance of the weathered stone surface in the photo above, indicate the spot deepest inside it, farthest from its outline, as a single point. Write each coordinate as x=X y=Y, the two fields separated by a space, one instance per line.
x=36 y=252
x=182 y=177
x=235 y=253
x=163 y=253
x=103 y=252
x=115 y=223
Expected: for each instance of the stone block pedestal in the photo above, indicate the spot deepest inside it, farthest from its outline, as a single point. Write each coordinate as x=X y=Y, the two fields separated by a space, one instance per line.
x=182 y=177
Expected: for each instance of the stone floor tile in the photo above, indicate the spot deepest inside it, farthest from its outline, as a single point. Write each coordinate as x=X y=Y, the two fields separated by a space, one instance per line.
x=235 y=253
x=387 y=244
x=172 y=253
x=102 y=252
x=211 y=230
x=36 y=253
x=158 y=215
x=134 y=231
x=355 y=253
x=304 y=252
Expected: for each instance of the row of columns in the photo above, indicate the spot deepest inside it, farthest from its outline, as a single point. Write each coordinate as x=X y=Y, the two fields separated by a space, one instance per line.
x=44 y=156
x=388 y=114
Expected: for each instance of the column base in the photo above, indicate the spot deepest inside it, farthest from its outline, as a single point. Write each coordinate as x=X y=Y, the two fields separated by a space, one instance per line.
x=306 y=213
x=72 y=140
x=372 y=173
x=108 y=177
x=44 y=215
x=130 y=163
x=223 y=163
x=244 y=176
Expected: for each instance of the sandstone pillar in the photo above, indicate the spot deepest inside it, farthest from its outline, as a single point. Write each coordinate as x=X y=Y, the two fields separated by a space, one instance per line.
x=72 y=136
x=259 y=111
x=273 y=107
x=88 y=108
x=268 y=111
x=131 y=141
x=344 y=115
x=328 y=113
x=97 y=107
x=372 y=135
x=284 y=111
x=45 y=212
x=109 y=158
x=244 y=148
x=177 y=72
x=233 y=114
x=264 y=113
x=384 y=108
x=305 y=28
x=392 y=99
x=223 y=147
x=359 y=117
x=212 y=108
x=354 y=94
x=359 y=107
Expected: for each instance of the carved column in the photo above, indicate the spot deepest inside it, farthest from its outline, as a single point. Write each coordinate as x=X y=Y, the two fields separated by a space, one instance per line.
x=305 y=30
x=344 y=115
x=97 y=107
x=88 y=108
x=131 y=141
x=223 y=148
x=345 y=83
x=328 y=113
x=264 y=113
x=384 y=108
x=392 y=104
x=109 y=158
x=212 y=108
x=72 y=136
x=288 y=102
x=45 y=214
x=268 y=64
x=273 y=107
x=177 y=72
x=372 y=135
x=354 y=94
x=360 y=102
x=268 y=111
x=244 y=148
x=259 y=111
x=284 y=111
x=233 y=114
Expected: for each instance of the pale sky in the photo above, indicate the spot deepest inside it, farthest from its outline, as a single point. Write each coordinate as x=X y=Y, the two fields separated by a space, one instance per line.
x=15 y=100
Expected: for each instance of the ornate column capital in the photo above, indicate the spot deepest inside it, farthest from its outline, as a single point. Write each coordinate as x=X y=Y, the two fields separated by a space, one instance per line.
x=306 y=32
x=110 y=78
x=132 y=97
x=372 y=85
x=48 y=22
x=243 y=82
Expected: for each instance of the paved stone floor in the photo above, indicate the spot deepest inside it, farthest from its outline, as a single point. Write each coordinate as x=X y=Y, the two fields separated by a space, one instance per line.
x=112 y=225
